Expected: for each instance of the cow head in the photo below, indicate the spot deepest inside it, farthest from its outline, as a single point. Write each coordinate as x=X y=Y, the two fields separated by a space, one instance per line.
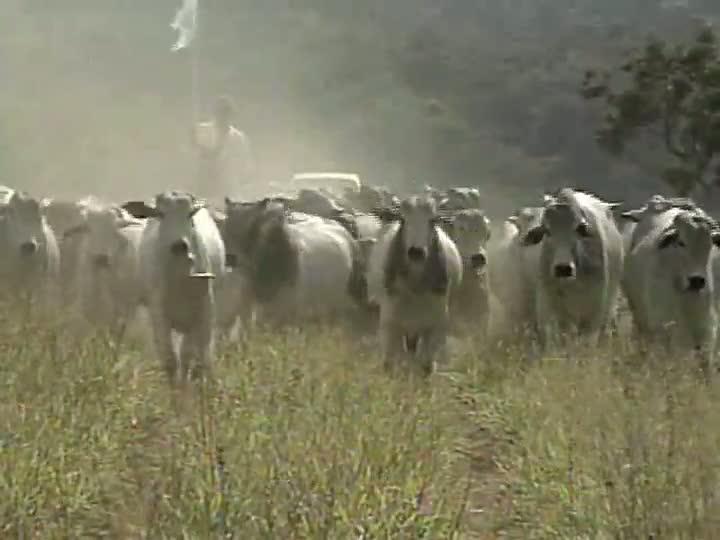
x=247 y=222
x=526 y=219
x=62 y=215
x=415 y=251
x=688 y=242
x=23 y=222
x=418 y=217
x=570 y=237
x=100 y=229
x=178 y=239
x=258 y=238
x=470 y=230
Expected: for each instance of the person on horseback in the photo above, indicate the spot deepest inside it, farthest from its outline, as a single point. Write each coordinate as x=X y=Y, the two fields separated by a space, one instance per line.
x=226 y=165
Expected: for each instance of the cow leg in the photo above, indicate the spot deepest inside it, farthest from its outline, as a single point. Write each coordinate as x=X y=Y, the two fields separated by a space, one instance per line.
x=433 y=349
x=229 y=304
x=188 y=354
x=198 y=346
x=162 y=336
x=392 y=343
x=197 y=350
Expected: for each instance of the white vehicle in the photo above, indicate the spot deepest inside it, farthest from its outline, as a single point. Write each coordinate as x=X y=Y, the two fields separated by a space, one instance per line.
x=335 y=182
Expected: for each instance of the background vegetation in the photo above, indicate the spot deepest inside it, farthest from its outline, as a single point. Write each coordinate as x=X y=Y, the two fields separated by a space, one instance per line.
x=459 y=92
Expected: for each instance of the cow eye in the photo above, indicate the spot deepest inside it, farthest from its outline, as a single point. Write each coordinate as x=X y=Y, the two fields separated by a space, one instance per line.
x=583 y=230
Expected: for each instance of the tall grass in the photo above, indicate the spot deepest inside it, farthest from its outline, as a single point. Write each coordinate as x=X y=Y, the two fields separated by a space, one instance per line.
x=303 y=435
x=299 y=436
x=601 y=444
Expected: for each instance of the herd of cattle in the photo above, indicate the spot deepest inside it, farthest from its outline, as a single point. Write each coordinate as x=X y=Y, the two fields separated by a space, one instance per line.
x=418 y=267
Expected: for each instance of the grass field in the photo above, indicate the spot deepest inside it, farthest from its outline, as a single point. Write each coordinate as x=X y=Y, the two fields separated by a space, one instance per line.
x=303 y=435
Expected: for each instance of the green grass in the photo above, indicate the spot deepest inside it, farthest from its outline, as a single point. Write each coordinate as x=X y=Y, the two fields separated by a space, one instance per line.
x=302 y=435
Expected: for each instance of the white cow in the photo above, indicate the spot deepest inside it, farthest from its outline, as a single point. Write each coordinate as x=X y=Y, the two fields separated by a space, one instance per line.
x=108 y=271
x=29 y=266
x=295 y=265
x=470 y=301
x=638 y=224
x=414 y=268
x=513 y=270
x=64 y=215
x=182 y=258
x=580 y=266
x=672 y=282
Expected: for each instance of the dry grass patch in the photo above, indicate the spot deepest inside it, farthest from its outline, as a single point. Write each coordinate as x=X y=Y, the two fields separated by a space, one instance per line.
x=301 y=436
x=596 y=444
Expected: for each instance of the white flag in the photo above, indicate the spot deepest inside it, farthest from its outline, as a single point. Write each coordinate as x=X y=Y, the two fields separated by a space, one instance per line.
x=185 y=22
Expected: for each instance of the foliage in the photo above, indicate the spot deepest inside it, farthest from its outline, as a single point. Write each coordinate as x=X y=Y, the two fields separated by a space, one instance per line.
x=671 y=93
x=404 y=93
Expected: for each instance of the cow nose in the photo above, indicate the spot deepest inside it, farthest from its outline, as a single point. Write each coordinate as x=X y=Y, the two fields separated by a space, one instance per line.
x=28 y=248
x=180 y=248
x=563 y=270
x=478 y=261
x=696 y=283
x=101 y=261
x=416 y=254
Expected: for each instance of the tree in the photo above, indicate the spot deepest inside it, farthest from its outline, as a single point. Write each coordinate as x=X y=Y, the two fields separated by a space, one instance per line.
x=668 y=97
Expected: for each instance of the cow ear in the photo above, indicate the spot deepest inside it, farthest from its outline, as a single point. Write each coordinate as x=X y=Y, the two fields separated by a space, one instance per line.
x=632 y=215
x=716 y=238
x=74 y=231
x=668 y=238
x=534 y=236
x=141 y=210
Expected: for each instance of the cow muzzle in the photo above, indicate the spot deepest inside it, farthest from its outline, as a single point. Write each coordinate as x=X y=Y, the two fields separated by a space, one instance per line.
x=416 y=254
x=28 y=248
x=478 y=261
x=564 y=271
x=696 y=283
